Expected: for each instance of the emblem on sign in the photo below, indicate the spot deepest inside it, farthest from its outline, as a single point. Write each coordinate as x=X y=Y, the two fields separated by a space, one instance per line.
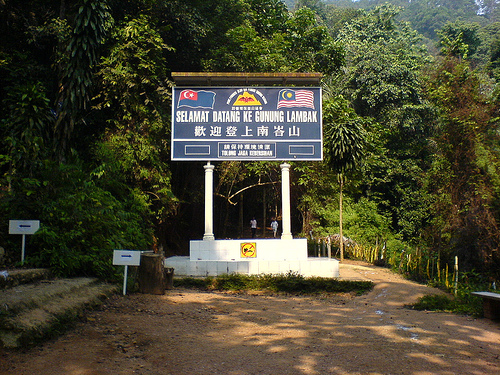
x=247 y=99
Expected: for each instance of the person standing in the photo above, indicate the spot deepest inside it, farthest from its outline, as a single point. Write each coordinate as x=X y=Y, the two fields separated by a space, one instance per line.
x=274 y=227
x=253 y=226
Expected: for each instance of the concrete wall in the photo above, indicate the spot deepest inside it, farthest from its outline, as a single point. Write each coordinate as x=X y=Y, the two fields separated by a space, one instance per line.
x=322 y=267
x=265 y=249
x=272 y=256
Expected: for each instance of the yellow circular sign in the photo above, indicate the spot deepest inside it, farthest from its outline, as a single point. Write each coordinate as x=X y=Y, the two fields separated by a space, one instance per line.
x=248 y=250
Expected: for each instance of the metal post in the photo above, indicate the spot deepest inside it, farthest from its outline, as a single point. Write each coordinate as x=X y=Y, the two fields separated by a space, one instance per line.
x=125 y=276
x=22 y=248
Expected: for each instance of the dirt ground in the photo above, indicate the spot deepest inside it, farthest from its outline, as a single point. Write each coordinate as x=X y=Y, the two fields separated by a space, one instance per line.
x=193 y=332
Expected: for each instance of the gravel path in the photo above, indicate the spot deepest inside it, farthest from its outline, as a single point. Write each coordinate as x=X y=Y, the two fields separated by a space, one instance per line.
x=192 y=332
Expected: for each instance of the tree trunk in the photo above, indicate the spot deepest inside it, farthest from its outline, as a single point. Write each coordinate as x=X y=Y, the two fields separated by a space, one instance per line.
x=264 y=208
x=240 y=218
x=341 y=180
x=62 y=10
x=151 y=274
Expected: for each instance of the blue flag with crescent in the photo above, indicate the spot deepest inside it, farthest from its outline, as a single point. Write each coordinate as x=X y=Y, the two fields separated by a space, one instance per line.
x=196 y=99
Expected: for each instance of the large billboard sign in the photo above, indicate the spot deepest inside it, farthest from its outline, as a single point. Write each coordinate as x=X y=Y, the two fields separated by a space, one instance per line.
x=256 y=123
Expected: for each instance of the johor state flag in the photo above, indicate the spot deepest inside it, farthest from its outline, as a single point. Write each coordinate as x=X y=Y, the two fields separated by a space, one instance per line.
x=196 y=99
x=295 y=98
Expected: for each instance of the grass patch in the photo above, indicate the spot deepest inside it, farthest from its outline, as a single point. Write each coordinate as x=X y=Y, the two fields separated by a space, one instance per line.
x=471 y=305
x=291 y=282
x=462 y=301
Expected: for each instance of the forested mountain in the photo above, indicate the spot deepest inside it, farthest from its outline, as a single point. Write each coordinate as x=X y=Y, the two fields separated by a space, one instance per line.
x=427 y=17
x=410 y=123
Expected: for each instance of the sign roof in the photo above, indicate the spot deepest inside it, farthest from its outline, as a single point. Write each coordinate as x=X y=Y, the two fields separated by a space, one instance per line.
x=245 y=79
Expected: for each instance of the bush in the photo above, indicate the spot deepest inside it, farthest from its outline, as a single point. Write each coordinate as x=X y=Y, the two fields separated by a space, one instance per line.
x=434 y=303
x=469 y=306
x=81 y=223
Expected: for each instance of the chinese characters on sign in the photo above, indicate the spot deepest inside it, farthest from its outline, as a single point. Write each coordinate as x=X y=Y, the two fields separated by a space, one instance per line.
x=260 y=123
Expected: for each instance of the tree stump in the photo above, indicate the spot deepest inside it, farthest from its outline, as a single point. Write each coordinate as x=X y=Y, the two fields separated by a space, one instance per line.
x=151 y=275
x=169 y=278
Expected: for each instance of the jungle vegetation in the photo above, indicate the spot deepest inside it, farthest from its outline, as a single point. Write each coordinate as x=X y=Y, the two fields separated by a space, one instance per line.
x=85 y=106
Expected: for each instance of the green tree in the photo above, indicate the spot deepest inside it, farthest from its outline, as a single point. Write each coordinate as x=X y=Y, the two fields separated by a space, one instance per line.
x=384 y=59
x=429 y=16
x=256 y=182
x=344 y=140
x=383 y=80
x=82 y=220
x=194 y=28
x=27 y=82
x=311 y=49
x=316 y=5
x=26 y=129
x=463 y=178
x=313 y=182
x=459 y=38
x=134 y=93
x=336 y=17
x=82 y=55
x=303 y=46
x=48 y=66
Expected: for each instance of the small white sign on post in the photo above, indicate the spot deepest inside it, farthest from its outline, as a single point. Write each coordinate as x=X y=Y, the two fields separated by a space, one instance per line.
x=126 y=258
x=23 y=227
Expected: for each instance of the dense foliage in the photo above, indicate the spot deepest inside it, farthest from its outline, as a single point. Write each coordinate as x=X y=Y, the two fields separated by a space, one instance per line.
x=410 y=113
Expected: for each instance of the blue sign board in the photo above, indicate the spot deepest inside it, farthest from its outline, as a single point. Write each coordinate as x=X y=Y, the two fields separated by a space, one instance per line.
x=256 y=123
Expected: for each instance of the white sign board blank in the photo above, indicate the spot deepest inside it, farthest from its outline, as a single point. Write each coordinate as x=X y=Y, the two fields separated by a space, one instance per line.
x=23 y=226
x=127 y=258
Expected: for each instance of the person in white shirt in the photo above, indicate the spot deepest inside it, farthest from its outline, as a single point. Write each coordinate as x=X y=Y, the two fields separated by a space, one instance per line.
x=274 y=227
x=253 y=226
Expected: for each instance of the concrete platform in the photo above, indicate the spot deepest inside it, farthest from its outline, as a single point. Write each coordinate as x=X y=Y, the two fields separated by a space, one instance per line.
x=251 y=257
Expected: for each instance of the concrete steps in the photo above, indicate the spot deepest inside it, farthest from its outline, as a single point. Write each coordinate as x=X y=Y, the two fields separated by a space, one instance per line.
x=11 y=278
x=34 y=307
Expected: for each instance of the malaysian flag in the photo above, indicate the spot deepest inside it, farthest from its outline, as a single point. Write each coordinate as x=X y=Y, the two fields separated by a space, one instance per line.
x=295 y=98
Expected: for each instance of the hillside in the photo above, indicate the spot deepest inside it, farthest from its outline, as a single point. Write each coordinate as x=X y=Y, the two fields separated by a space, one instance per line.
x=425 y=16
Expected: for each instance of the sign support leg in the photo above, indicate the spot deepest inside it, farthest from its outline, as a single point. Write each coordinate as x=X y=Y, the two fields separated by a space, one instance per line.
x=125 y=276
x=22 y=248
x=285 y=201
x=209 y=206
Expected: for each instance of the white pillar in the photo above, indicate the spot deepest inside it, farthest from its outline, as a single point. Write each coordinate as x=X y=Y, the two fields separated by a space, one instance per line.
x=209 y=203
x=285 y=201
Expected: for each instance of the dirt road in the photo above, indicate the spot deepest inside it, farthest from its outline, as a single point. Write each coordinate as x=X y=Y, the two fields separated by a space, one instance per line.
x=191 y=332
